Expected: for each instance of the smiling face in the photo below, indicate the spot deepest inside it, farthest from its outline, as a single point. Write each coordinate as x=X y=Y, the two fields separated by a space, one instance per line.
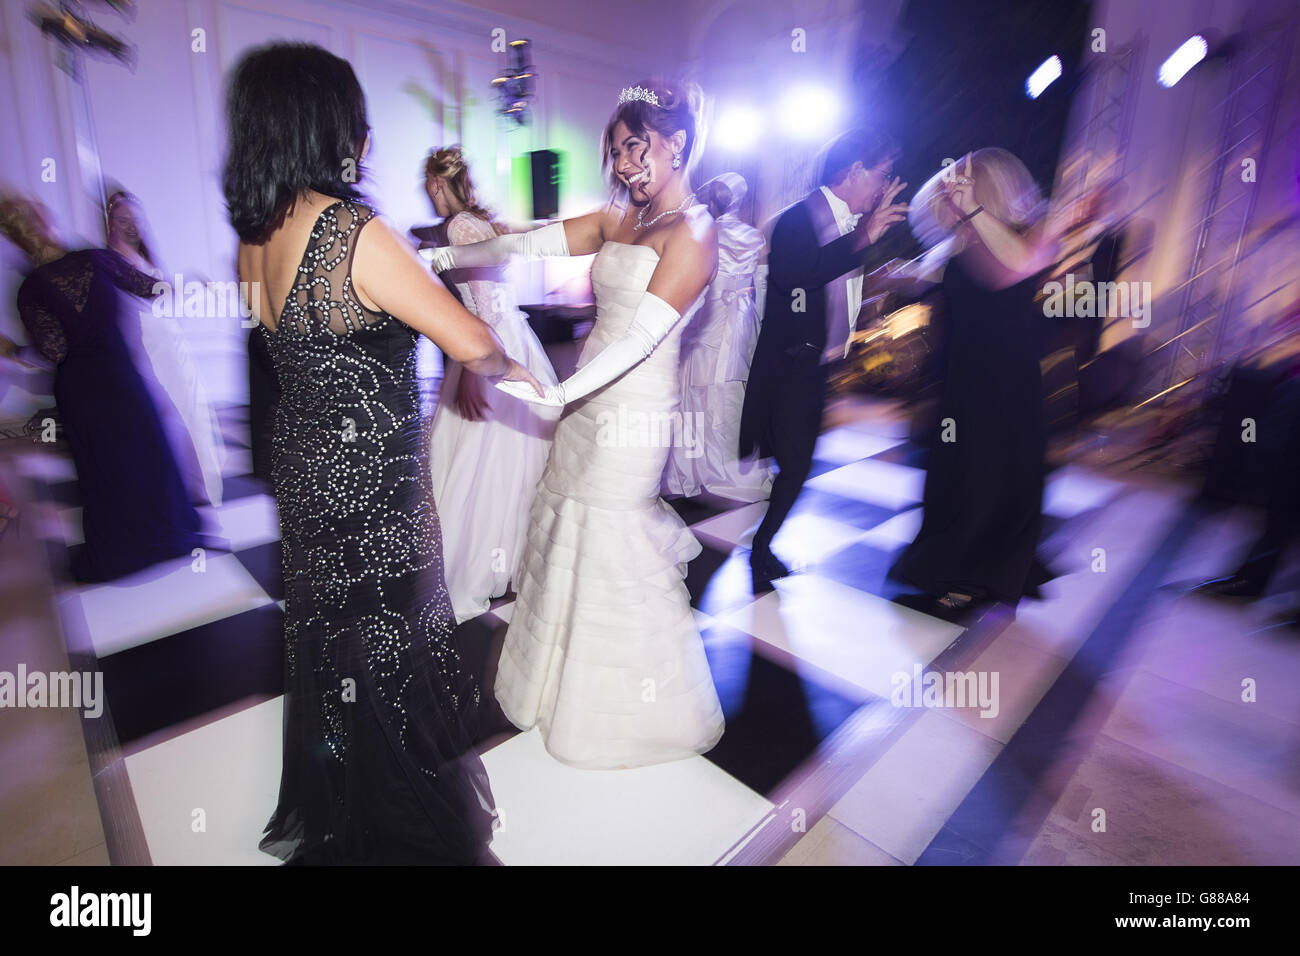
x=123 y=227
x=644 y=164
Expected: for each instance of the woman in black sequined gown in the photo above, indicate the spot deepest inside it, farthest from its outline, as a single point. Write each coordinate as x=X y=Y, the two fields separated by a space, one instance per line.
x=379 y=718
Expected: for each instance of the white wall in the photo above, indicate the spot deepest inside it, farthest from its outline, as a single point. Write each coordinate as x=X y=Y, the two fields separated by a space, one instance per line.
x=426 y=70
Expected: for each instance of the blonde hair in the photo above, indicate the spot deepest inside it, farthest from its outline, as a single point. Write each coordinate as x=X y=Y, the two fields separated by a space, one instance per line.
x=448 y=164
x=1003 y=186
x=23 y=223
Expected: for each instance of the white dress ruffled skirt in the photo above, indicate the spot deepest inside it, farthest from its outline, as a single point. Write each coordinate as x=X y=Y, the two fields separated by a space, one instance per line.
x=602 y=653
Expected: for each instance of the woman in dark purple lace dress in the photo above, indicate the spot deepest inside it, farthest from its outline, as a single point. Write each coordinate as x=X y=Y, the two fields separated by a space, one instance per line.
x=135 y=511
x=379 y=716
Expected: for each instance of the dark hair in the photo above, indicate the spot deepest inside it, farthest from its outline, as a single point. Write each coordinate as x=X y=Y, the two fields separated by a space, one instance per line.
x=296 y=121
x=679 y=109
x=871 y=146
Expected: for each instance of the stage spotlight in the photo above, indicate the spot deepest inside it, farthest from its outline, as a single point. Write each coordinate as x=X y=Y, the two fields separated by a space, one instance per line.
x=737 y=128
x=1043 y=77
x=1183 y=59
x=809 y=112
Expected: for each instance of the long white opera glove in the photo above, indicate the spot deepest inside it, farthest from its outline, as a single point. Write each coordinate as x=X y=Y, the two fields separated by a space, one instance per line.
x=546 y=241
x=653 y=321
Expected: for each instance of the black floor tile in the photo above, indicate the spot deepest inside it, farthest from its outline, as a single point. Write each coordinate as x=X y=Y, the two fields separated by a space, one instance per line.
x=820 y=467
x=864 y=567
x=909 y=454
x=66 y=493
x=234 y=487
x=479 y=641
x=859 y=514
x=775 y=718
x=162 y=683
x=265 y=563
x=697 y=509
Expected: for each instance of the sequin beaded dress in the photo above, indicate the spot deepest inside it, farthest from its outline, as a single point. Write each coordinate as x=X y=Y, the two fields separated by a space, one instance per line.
x=378 y=715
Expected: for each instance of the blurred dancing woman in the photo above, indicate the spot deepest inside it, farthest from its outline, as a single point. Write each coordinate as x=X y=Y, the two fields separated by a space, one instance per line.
x=379 y=718
x=984 y=481
x=166 y=363
x=716 y=352
x=602 y=653
x=135 y=512
x=488 y=449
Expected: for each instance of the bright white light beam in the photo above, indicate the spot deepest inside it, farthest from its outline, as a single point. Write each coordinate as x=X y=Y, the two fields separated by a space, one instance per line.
x=1181 y=60
x=737 y=128
x=1043 y=77
x=809 y=112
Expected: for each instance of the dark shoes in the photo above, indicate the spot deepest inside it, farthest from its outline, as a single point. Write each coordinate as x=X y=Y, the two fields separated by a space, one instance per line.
x=764 y=568
x=947 y=608
x=1235 y=587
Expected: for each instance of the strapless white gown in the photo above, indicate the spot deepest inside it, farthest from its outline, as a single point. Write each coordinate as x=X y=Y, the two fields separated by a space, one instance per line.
x=602 y=653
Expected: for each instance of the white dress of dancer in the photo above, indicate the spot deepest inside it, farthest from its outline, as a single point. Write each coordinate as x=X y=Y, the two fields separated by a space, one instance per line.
x=485 y=473
x=192 y=427
x=716 y=351
x=602 y=654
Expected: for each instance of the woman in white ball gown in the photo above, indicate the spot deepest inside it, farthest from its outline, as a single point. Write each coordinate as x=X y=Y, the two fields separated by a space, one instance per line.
x=602 y=653
x=488 y=450
x=716 y=352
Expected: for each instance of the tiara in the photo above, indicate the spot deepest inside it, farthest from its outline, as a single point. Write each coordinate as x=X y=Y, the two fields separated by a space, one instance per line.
x=631 y=93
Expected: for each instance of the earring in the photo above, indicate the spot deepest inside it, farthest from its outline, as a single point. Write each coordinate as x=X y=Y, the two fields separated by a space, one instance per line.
x=677 y=160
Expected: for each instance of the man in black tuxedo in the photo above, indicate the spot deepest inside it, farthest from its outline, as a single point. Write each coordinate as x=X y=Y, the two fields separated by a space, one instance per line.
x=814 y=288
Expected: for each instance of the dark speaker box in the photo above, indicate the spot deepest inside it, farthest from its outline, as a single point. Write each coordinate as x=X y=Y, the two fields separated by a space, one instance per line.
x=544 y=167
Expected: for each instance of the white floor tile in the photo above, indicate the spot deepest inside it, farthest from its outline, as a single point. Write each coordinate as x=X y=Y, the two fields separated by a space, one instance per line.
x=898 y=530
x=48 y=466
x=229 y=770
x=731 y=528
x=163 y=600
x=246 y=522
x=876 y=482
x=830 y=843
x=860 y=639
x=1073 y=489
x=69 y=524
x=911 y=791
x=845 y=445
x=804 y=539
x=688 y=812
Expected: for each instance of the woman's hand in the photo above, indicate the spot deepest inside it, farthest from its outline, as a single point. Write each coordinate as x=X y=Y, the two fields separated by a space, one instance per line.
x=470 y=402
x=517 y=373
x=961 y=193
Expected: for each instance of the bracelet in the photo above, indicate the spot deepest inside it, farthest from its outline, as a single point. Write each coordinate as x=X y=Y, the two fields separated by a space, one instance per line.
x=970 y=215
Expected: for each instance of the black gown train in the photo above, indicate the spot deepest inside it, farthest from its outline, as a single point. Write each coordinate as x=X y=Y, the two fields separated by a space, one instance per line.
x=984 y=491
x=378 y=716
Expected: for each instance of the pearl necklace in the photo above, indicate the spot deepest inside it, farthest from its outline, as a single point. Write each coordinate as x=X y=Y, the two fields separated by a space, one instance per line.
x=667 y=212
